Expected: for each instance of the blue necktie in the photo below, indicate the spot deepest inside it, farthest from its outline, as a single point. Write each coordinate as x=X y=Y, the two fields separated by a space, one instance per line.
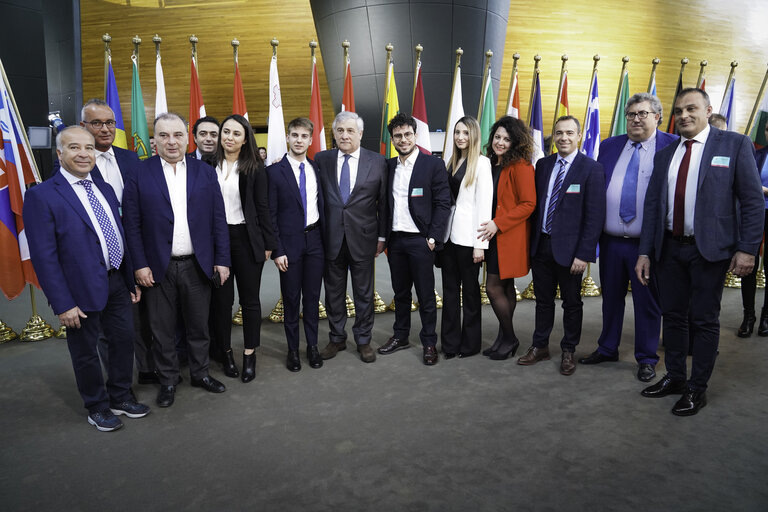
x=628 y=204
x=303 y=190
x=344 y=180
x=554 y=198
x=113 y=244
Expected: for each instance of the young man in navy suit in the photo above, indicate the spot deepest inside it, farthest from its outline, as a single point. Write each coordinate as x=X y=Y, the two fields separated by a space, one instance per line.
x=206 y=134
x=296 y=206
x=703 y=216
x=79 y=253
x=419 y=206
x=628 y=162
x=565 y=227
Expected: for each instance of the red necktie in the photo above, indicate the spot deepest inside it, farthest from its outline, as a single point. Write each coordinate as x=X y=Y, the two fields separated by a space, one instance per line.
x=678 y=215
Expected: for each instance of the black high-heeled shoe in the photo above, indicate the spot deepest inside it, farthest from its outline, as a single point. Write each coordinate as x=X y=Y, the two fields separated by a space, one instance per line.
x=249 y=367
x=496 y=344
x=747 y=325
x=505 y=351
x=230 y=370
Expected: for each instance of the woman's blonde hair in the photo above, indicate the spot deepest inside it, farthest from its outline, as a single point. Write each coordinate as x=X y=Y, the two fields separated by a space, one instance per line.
x=473 y=150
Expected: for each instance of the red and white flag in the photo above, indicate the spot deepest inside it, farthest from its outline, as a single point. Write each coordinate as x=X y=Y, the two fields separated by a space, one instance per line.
x=513 y=102
x=348 y=98
x=196 y=105
x=420 y=115
x=276 y=143
x=238 y=99
x=316 y=114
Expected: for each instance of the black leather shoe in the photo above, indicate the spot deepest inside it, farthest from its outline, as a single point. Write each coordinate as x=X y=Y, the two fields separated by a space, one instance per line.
x=165 y=396
x=393 y=345
x=313 y=355
x=666 y=386
x=762 y=329
x=209 y=384
x=747 y=325
x=597 y=358
x=249 y=367
x=230 y=370
x=646 y=372
x=690 y=403
x=148 y=378
x=430 y=355
x=292 y=362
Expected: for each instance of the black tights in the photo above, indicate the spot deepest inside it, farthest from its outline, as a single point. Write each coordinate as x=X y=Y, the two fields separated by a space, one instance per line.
x=503 y=298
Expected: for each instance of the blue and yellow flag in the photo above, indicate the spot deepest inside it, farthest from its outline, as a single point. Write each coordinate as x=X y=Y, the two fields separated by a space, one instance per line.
x=113 y=100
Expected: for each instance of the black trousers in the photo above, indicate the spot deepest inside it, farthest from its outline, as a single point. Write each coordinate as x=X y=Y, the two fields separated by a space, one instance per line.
x=749 y=283
x=184 y=286
x=460 y=285
x=247 y=271
x=547 y=275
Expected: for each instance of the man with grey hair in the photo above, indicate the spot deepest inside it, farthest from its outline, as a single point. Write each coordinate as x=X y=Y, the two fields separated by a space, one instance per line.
x=628 y=163
x=354 y=183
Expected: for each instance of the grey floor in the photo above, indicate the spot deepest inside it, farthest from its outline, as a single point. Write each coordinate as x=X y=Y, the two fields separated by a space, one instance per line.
x=469 y=434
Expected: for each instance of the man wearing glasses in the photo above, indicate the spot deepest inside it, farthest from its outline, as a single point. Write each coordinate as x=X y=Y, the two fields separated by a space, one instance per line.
x=628 y=163
x=419 y=205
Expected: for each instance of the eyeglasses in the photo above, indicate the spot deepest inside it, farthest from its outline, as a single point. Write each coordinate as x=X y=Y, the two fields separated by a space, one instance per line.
x=401 y=136
x=640 y=115
x=97 y=124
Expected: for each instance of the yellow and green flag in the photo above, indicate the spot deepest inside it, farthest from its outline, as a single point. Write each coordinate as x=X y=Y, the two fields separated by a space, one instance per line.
x=138 y=117
x=390 y=110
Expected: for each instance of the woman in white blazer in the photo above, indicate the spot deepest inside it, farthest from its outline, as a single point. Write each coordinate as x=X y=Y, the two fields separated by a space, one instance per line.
x=469 y=176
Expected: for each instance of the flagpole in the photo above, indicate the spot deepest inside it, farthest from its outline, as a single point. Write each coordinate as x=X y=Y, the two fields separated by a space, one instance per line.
x=734 y=63
x=683 y=62
x=488 y=57
x=537 y=59
x=596 y=59
x=136 y=42
x=157 y=40
x=193 y=41
x=389 y=47
x=624 y=61
x=448 y=128
x=345 y=45
x=235 y=49
x=418 y=49
x=700 y=79
x=757 y=103
x=560 y=94
x=515 y=58
x=655 y=63
x=107 y=52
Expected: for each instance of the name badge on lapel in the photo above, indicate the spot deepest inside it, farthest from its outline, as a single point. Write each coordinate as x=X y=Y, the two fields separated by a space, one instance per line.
x=721 y=161
x=417 y=192
x=573 y=188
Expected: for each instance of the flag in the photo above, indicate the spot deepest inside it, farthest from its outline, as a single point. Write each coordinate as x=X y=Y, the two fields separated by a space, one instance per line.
x=513 y=103
x=537 y=124
x=703 y=85
x=591 y=143
x=139 y=117
x=726 y=109
x=619 y=123
x=488 y=113
x=420 y=115
x=671 y=125
x=348 y=98
x=316 y=114
x=455 y=112
x=276 y=145
x=161 y=104
x=16 y=171
x=761 y=119
x=238 y=98
x=196 y=105
x=562 y=106
x=391 y=109
x=113 y=100
x=652 y=83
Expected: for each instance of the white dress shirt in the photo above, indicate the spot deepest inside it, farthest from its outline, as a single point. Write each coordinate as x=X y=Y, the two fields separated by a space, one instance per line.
x=313 y=214
x=401 y=214
x=177 y=191
x=552 y=177
x=353 y=162
x=691 y=183
x=110 y=171
x=229 y=182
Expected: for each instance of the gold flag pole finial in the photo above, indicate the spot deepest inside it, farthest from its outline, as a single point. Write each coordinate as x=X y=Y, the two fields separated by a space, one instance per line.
x=194 y=40
x=235 y=49
x=157 y=40
x=313 y=47
x=654 y=62
x=274 y=42
x=107 y=54
x=488 y=57
x=536 y=60
x=135 y=56
x=700 y=79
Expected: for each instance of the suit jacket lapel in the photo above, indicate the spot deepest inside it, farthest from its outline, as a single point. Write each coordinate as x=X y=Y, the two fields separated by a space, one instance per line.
x=159 y=176
x=65 y=189
x=713 y=141
x=330 y=162
x=290 y=178
x=363 y=170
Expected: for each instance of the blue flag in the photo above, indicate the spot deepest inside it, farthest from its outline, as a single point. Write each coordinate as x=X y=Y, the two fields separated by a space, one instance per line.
x=113 y=100
x=591 y=143
x=537 y=124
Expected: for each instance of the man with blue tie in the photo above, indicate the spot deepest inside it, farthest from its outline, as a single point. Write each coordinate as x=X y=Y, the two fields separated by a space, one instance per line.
x=628 y=161
x=179 y=242
x=703 y=216
x=566 y=225
x=78 y=251
x=296 y=206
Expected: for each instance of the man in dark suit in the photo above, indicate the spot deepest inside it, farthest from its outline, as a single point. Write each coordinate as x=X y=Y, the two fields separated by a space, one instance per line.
x=178 y=238
x=628 y=161
x=78 y=251
x=703 y=216
x=566 y=224
x=762 y=167
x=354 y=183
x=419 y=206
x=296 y=206
x=205 y=131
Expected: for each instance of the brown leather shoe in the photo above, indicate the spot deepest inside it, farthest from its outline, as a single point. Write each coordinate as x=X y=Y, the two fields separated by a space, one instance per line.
x=533 y=355
x=393 y=345
x=332 y=348
x=567 y=364
x=367 y=355
x=430 y=355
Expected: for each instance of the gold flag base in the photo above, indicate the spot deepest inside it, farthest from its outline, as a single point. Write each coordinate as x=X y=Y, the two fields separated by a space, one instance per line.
x=61 y=333
x=350 y=307
x=414 y=306
x=760 y=277
x=484 y=300
x=528 y=292
x=518 y=295
x=6 y=333
x=36 y=329
x=238 y=318
x=732 y=280
x=379 y=306
x=276 y=316
x=323 y=314
x=589 y=288
x=438 y=300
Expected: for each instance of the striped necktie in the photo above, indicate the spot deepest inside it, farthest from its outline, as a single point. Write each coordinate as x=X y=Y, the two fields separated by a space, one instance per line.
x=555 y=196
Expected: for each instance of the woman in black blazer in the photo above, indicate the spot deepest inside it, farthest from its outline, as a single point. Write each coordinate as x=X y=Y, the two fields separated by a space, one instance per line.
x=243 y=182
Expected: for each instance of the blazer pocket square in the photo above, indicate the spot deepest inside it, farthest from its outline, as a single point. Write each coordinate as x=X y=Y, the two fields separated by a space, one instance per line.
x=721 y=161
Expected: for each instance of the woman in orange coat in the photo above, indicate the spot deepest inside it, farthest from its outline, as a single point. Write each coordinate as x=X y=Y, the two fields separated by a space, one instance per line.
x=514 y=199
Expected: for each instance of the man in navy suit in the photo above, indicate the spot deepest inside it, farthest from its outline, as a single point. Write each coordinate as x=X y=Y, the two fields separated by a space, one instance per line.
x=565 y=228
x=354 y=183
x=179 y=242
x=205 y=131
x=628 y=161
x=419 y=206
x=79 y=253
x=762 y=166
x=703 y=216
x=296 y=206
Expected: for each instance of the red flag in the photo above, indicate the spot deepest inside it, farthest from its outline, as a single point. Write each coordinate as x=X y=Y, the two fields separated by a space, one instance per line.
x=513 y=103
x=348 y=98
x=420 y=115
x=196 y=105
x=316 y=114
x=238 y=100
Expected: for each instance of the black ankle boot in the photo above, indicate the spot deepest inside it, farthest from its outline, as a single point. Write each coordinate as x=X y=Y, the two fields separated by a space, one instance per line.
x=762 y=329
x=230 y=370
x=747 y=325
x=249 y=367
